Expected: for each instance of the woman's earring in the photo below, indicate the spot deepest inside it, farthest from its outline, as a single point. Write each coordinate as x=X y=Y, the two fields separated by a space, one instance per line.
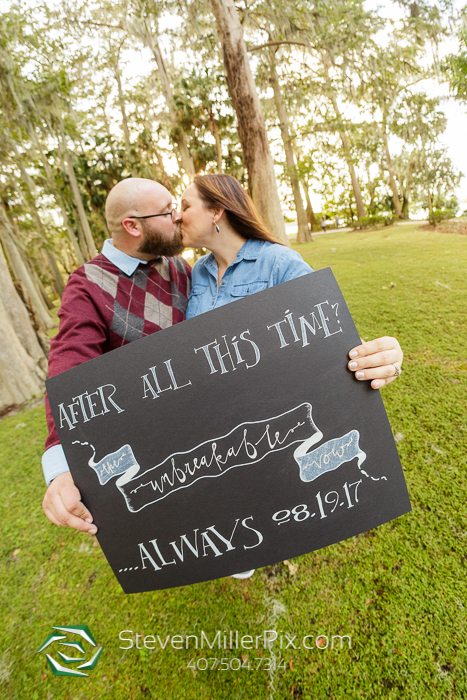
x=217 y=228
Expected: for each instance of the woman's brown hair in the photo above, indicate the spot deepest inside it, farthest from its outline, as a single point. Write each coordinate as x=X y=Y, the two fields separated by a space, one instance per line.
x=218 y=190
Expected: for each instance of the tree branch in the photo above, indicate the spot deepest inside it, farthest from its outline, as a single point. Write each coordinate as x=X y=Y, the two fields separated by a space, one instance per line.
x=274 y=43
x=99 y=24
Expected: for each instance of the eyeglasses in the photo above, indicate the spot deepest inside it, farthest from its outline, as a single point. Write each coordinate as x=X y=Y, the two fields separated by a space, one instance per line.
x=151 y=216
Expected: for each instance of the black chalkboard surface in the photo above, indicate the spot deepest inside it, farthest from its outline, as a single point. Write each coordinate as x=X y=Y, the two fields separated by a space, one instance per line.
x=231 y=441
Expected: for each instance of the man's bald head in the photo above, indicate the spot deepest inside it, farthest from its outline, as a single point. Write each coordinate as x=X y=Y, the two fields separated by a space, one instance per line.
x=135 y=196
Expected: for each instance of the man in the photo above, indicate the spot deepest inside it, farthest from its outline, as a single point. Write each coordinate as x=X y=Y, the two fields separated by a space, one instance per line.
x=127 y=292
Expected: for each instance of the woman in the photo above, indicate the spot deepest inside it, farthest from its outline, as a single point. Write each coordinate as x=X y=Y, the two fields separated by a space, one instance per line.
x=217 y=214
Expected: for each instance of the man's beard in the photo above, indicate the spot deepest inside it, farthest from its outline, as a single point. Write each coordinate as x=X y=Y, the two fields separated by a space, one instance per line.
x=156 y=243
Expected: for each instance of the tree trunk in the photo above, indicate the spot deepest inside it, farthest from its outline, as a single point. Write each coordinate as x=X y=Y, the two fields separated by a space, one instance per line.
x=18 y=315
x=71 y=234
x=31 y=203
x=361 y=211
x=121 y=102
x=392 y=179
x=34 y=275
x=303 y=234
x=405 y=204
x=68 y=261
x=57 y=197
x=57 y=275
x=214 y=129
x=164 y=176
x=82 y=241
x=430 y=201
x=79 y=204
x=178 y=133
x=250 y=118
x=20 y=376
x=22 y=274
x=145 y=34
x=372 y=190
x=38 y=282
x=309 y=209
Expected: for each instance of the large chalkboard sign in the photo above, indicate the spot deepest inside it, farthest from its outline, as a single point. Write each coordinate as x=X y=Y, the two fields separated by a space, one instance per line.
x=230 y=441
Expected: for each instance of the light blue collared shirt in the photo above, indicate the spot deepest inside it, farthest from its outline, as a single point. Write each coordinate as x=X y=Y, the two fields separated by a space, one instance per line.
x=124 y=262
x=258 y=265
x=53 y=460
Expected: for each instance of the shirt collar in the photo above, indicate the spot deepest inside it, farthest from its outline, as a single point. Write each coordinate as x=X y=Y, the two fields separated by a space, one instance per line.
x=124 y=262
x=249 y=251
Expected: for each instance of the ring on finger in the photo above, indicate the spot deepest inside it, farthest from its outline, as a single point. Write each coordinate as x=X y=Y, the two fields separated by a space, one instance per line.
x=398 y=370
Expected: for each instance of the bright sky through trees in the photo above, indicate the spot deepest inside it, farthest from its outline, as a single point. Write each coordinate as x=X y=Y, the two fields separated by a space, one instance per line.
x=454 y=135
x=137 y=63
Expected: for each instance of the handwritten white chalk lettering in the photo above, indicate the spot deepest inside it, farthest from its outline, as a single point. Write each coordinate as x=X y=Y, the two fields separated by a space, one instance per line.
x=277 y=326
x=155 y=390
x=184 y=540
x=210 y=542
x=77 y=409
x=331 y=498
x=308 y=324
x=304 y=324
x=289 y=317
x=221 y=351
x=325 y=320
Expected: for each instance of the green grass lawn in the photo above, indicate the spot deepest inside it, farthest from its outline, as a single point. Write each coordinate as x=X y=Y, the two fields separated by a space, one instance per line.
x=399 y=591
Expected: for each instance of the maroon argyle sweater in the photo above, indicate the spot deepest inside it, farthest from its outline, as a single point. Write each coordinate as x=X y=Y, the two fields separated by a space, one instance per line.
x=103 y=309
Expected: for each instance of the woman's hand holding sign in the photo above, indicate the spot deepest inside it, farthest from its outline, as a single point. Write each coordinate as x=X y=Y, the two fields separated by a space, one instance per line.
x=379 y=360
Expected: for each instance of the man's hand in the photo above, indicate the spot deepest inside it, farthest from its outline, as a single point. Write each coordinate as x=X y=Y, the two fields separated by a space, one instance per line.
x=379 y=360
x=62 y=505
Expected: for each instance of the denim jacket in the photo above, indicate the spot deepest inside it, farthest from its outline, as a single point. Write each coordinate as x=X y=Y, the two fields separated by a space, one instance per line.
x=258 y=265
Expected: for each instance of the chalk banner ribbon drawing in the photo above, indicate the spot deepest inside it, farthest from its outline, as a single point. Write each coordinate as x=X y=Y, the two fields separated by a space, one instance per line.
x=245 y=445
